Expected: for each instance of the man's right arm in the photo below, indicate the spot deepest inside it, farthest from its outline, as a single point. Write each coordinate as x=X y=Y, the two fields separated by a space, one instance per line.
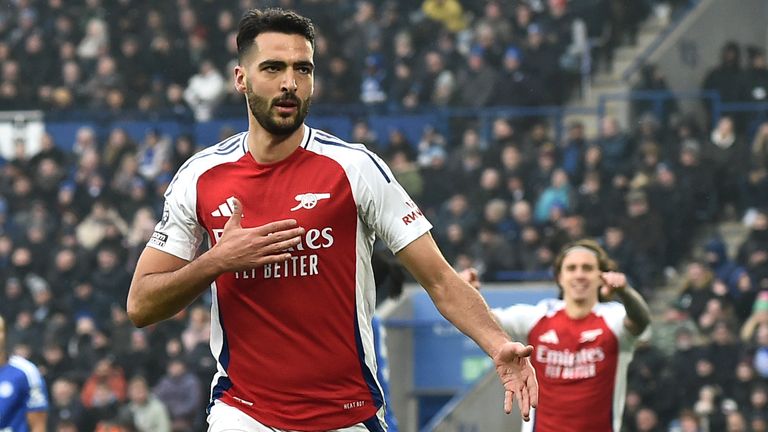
x=164 y=284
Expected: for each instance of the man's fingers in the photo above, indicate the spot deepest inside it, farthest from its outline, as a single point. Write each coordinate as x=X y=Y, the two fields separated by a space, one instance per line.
x=271 y=259
x=285 y=244
x=275 y=227
x=237 y=214
x=533 y=392
x=508 y=396
x=516 y=350
x=524 y=403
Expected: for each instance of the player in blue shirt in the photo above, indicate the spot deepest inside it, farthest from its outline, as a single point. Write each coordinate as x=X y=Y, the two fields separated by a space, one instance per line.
x=23 y=400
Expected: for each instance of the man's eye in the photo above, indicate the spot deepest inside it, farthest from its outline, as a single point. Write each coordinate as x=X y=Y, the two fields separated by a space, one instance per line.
x=305 y=70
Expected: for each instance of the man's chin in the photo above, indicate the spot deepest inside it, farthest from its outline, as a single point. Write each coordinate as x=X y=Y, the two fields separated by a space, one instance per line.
x=283 y=128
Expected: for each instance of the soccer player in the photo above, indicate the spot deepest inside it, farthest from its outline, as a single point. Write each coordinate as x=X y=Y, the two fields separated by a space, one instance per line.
x=290 y=214
x=23 y=400
x=582 y=342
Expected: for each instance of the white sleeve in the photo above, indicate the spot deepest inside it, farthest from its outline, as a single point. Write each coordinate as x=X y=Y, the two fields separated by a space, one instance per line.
x=178 y=232
x=386 y=207
x=614 y=313
x=36 y=399
x=517 y=320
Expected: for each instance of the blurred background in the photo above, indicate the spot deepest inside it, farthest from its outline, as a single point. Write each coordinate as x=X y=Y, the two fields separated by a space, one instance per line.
x=516 y=125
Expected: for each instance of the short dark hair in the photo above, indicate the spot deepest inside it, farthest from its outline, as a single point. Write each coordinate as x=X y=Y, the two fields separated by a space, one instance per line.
x=255 y=21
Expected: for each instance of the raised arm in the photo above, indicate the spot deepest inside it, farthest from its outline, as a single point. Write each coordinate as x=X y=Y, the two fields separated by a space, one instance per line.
x=164 y=284
x=638 y=312
x=463 y=306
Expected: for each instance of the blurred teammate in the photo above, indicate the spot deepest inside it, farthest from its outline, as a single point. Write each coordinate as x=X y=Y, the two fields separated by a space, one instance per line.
x=23 y=400
x=290 y=214
x=582 y=342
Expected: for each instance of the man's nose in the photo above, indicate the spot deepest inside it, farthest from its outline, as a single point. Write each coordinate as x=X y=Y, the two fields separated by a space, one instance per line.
x=289 y=83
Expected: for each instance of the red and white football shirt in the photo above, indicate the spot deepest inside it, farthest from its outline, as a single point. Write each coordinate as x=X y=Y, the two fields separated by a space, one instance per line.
x=293 y=340
x=581 y=364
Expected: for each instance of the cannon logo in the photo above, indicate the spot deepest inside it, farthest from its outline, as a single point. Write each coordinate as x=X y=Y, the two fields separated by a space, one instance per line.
x=309 y=200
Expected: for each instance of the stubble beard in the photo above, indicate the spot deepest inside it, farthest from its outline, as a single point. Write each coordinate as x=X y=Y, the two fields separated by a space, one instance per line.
x=261 y=110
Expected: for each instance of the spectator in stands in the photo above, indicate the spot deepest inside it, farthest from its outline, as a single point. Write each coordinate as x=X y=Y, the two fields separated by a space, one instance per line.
x=106 y=78
x=728 y=157
x=755 y=187
x=204 y=91
x=696 y=181
x=109 y=277
x=492 y=252
x=653 y=79
x=466 y=160
x=103 y=391
x=438 y=180
x=146 y=410
x=457 y=210
x=753 y=251
x=94 y=227
x=360 y=32
x=448 y=13
x=615 y=145
x=541 y=61
x=153 y=153
x=339 y=84
x=534 y=252
x=647 y=421
x=374 y=82
x=557 y=194
x=179 y=391
x=475 y=82
x=494 y=18
x=65 y=405
x=515 y=86
x=589 y=202
x=725 y=269
x=407 y=174
x=756 y=75
x=697 y=289
x=428 y=82
x=523 y=17
x=726 y=77
x=198 y=330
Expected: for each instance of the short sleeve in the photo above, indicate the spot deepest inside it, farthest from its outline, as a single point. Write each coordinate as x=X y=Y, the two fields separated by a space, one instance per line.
x=179 y=232
x=614 y=314
x=37 y=399
x=386 y=207
x=519 y=319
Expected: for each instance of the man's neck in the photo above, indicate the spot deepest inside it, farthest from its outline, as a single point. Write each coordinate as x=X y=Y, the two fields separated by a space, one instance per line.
x=578 y=309
x=267 y=148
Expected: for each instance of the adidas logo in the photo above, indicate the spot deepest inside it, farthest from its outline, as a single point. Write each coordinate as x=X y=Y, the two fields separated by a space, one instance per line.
x=309 y=200
x=550 y=336
x=225 y=209
x=590 y=335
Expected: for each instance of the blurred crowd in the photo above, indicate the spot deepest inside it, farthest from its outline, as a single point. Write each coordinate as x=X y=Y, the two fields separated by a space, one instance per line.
x=139 y=58
x=72 y=223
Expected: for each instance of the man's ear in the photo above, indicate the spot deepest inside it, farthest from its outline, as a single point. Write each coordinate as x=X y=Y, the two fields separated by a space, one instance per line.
x=240 y=79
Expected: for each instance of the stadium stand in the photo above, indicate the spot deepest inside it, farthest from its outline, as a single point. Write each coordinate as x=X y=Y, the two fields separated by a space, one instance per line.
x=461 y=99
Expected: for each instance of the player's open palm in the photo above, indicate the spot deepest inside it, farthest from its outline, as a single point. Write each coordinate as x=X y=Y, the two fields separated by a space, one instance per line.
x=518 y=377
x=243 y=248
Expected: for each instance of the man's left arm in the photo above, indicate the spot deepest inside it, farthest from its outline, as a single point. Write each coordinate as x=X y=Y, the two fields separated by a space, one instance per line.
x=463 y=306
x=638 y=313
x=37 y=420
